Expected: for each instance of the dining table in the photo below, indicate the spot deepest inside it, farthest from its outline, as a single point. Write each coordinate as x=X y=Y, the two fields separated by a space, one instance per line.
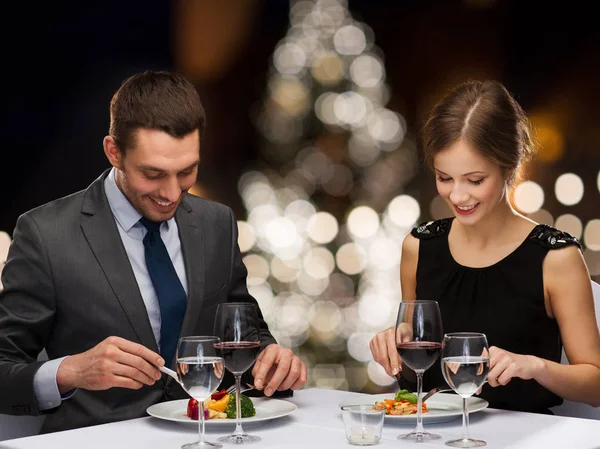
x=317 y=423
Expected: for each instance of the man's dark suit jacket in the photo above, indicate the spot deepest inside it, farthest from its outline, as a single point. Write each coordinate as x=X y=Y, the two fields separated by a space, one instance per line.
x=68 y=285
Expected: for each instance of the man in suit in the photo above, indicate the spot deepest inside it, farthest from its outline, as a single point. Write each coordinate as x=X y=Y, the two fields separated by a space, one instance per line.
x=108 y=278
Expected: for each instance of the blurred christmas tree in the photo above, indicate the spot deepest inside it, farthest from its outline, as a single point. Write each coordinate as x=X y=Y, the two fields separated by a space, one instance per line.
x=326 y=213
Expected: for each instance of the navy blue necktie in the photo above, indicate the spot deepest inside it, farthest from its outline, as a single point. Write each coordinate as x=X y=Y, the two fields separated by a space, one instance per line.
x=171 y=295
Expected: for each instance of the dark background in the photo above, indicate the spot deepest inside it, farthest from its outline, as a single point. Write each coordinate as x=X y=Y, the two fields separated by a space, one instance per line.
x=62 y=62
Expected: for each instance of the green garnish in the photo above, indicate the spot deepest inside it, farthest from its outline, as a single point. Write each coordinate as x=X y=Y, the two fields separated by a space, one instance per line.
x=405 y=395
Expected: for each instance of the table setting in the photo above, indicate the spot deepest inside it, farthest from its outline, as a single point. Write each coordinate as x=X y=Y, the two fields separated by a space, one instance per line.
x=317 y=417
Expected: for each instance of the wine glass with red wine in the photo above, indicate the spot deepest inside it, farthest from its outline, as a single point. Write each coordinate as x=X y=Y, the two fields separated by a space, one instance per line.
x=238 y=327
x=419 y=337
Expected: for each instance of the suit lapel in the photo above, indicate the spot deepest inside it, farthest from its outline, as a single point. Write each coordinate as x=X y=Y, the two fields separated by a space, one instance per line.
x=192 y=246
x=100 y=230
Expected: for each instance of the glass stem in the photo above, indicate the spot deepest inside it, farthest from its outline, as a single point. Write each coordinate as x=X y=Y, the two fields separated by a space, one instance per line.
x=419 y=428
x=238 y=406
x=465 y=419
x=201 y=422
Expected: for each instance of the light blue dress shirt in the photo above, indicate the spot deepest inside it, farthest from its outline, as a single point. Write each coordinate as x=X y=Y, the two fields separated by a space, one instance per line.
x=132 y=233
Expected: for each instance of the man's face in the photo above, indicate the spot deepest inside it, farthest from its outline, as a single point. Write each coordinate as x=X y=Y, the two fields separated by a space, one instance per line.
x=158 y=172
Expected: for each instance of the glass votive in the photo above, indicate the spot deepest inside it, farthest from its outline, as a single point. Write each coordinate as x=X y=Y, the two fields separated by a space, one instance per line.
x=363 y=424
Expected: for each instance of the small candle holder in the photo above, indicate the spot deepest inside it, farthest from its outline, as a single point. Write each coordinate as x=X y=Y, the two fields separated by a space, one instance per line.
x=363 y=424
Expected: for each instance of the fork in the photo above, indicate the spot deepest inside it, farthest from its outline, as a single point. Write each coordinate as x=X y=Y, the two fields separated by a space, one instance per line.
x=440 y=390
x=243 y=388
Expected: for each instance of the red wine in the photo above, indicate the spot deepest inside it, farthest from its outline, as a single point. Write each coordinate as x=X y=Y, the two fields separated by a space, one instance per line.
x=419 y=355
x=239 y=355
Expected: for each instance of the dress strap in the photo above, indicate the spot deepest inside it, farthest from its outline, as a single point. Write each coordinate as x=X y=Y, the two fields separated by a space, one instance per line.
x=431 y=229
x=552 y=238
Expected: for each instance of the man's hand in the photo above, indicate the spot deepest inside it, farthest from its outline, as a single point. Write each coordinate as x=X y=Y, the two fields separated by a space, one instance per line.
x=277 y=368
x=115 y=362
x=505 y=365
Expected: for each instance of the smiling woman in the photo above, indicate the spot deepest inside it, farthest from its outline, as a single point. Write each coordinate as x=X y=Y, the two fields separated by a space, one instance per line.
x=492 y=270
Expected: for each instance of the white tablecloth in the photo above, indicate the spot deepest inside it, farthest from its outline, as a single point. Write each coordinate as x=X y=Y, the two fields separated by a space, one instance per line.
x=318 y=423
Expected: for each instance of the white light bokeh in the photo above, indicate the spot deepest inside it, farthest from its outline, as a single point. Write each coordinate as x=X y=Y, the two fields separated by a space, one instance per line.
x=255 y=190
x=404 y=211
x=263 y=293
x=350 y=107
x=322 y=227
x=258 y=269
x=299 y=212
x=358 y=346
x=328 y=69
x=324 y=108
x=289 y=58
x=591 y=235
x=363 y=222
x=529 y=197
x=246 y=237
x=366 y=71
x=375 y=309
x=290 y=94
x=281 y=233
x=285 y=270
x=351 y=258
x=295 y=314
x=571 y=224
x=569 y=189
x=318 y=263
x=362 y=149
x=598 y=181
x=378 y=376
x=326 y=316
x=386 y=126
x=384 y=254
x=350 y=40
x=310 y=285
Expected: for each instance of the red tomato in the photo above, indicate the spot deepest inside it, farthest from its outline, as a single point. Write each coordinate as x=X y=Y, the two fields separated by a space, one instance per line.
x=218 y=394
x=192 y=409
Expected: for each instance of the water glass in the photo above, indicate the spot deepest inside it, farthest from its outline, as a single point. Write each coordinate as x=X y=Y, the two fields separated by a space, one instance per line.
x=465 y=365
x=363 y=424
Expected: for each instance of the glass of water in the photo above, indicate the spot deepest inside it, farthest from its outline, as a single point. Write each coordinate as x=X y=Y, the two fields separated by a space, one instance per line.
x=200 y=370
x=465 y=366
x=363 y=424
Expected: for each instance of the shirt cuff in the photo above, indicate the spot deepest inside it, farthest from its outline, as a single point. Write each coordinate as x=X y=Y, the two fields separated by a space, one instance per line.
x=46 y=388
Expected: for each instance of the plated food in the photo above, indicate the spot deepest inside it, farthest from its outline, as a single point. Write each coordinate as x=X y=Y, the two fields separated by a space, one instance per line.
x=221 y=405
x=403 y=403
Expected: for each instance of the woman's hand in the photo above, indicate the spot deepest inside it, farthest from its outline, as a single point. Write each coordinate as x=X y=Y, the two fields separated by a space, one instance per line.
x=384 y=349
x=505 y=365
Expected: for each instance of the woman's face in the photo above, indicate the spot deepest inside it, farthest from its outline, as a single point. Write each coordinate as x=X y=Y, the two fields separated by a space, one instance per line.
x=471 y=184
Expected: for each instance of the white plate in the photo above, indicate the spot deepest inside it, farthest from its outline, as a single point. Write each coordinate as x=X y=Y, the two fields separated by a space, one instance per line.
x=441 y=407
x=266 y=408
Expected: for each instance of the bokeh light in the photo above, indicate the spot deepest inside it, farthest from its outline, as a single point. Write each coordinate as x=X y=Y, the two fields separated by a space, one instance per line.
x=404 y=211
x=569 y=189
x=351 y=258
x=571 y=224
x=322 y=227
x=591 y=235
x=529 y=197
x=246 y=236
x=363 y=222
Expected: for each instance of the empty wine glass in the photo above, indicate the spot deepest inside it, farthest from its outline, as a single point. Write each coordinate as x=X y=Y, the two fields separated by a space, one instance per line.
x=419 y=342
x=200 y=371
x=465 y=365
x=238 y=326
